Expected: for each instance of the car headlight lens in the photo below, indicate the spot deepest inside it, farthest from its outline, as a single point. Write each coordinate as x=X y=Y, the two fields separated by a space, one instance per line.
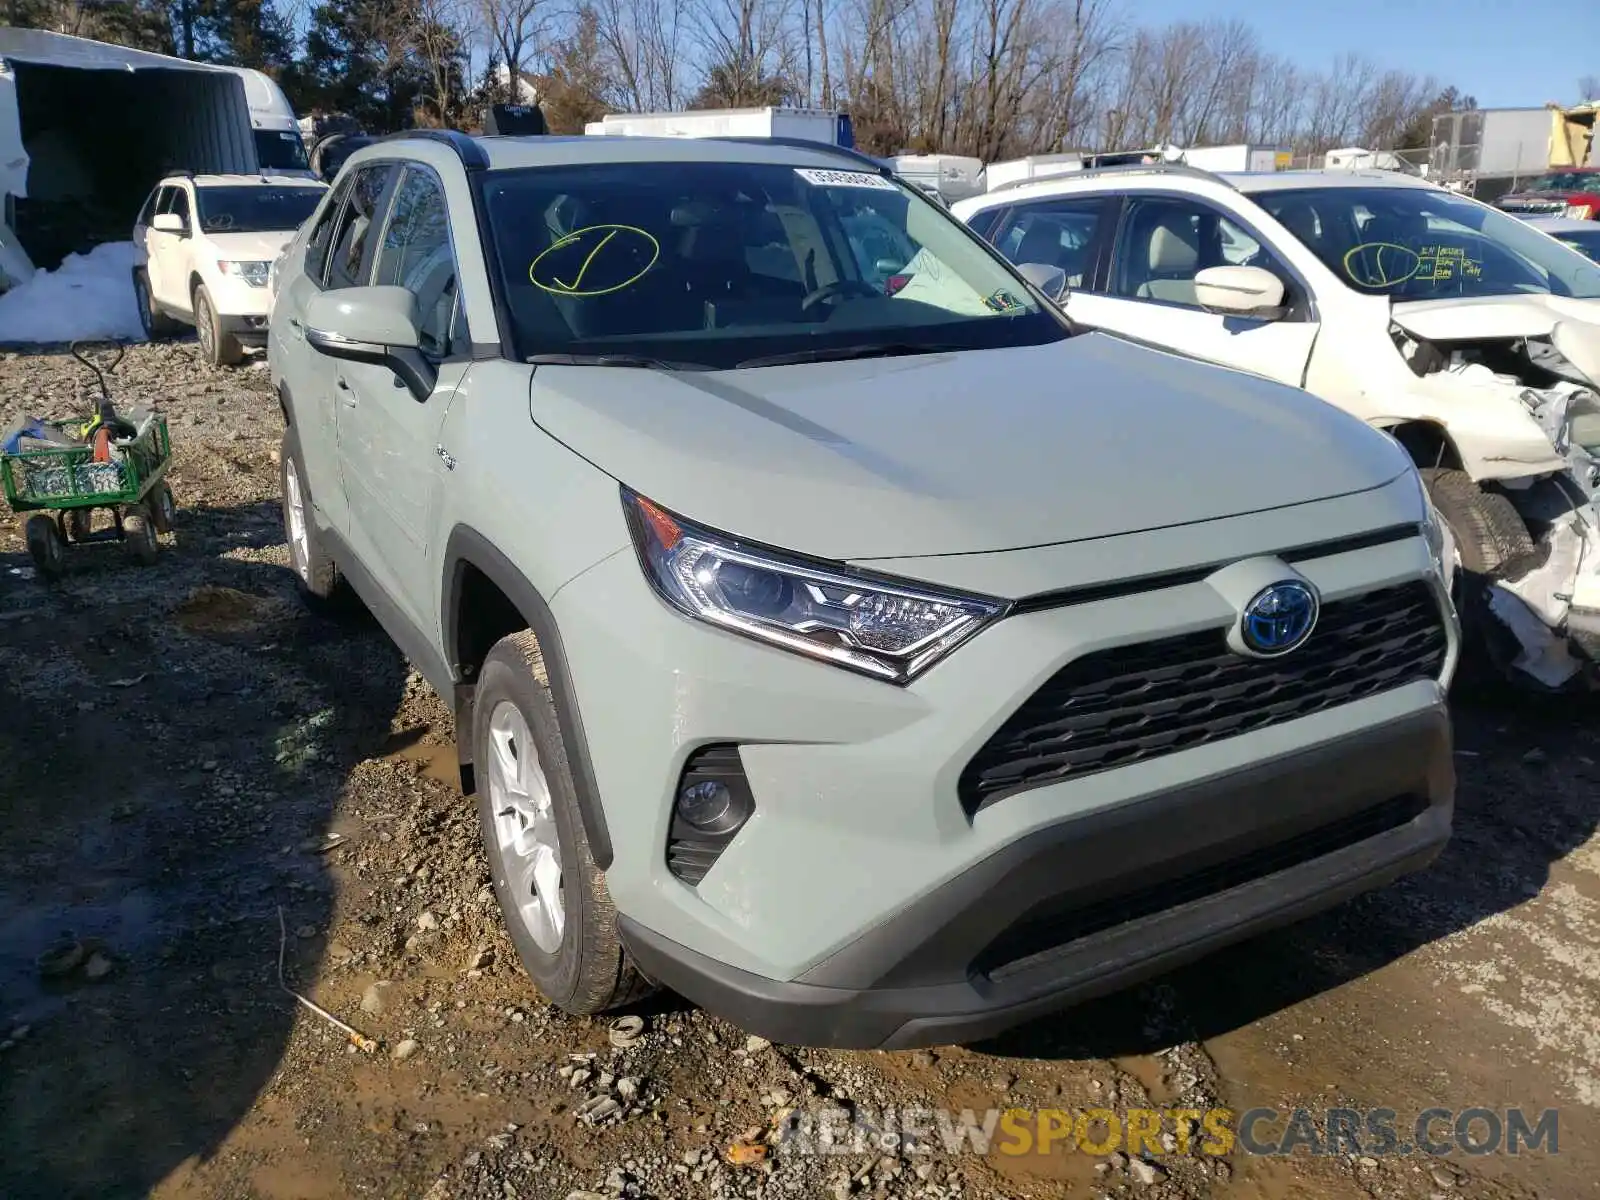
x=1579 y=212
x=253 y=273
x=879 y=627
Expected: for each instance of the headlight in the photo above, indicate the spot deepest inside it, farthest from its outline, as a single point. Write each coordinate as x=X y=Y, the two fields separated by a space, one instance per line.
x=879 y=627
x=253 y=273
x=1579 y=212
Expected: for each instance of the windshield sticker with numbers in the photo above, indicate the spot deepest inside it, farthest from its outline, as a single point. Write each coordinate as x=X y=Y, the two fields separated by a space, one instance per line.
x=860 y=179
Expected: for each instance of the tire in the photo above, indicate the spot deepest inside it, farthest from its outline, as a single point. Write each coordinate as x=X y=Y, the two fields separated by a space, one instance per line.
x=163 y=508
x=580 y=967
x=1488 y=530
x=46 y=546
x=1489 y=534
x=220 y=348
x=157 y=325
x=139 y=534
x=321 y=584
x=78 y=523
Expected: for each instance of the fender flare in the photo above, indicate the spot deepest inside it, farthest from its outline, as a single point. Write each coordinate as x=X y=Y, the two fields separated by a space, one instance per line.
x=467 y=547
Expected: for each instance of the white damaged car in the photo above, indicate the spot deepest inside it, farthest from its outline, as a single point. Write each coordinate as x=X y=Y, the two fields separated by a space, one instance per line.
x=1471 y=337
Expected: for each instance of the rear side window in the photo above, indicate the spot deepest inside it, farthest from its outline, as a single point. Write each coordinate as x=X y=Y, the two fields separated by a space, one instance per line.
x=350 y=260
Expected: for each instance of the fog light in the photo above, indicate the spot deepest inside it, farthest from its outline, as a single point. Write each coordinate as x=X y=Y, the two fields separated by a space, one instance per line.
x=708 y=806
x=712 y=804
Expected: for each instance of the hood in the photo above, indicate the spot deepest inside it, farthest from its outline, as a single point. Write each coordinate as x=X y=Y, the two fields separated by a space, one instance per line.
x=1488 y=317
x=958 y=453
x=250 y=247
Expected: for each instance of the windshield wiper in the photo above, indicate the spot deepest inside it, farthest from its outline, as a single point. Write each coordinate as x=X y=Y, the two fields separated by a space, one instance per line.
x=860 y=350
x=609 y=360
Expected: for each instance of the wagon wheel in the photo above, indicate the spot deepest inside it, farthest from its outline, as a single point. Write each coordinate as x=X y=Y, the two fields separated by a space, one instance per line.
x=46 y=545
x=163 y=508
x=78 y=523
x=139 y=531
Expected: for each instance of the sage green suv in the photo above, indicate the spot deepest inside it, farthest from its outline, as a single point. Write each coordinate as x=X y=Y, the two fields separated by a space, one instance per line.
x=834 y=634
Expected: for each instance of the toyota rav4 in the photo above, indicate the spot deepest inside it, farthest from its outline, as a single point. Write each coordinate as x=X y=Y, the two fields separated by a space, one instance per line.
x=860 y=652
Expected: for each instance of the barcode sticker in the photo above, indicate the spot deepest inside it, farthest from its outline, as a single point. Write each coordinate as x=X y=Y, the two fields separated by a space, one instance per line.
x=861 y=179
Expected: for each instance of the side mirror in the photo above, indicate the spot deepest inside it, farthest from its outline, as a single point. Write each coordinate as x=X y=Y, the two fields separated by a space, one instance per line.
x=168 y=223
x=1052 y=281
x=376 y=325
x=1240 y=292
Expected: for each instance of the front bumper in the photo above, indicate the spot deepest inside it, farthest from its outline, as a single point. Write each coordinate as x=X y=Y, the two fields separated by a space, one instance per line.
x=1342 y=818
x=863 y=903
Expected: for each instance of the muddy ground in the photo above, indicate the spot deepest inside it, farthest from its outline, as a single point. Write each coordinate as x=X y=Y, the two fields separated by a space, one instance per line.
x=186 y=753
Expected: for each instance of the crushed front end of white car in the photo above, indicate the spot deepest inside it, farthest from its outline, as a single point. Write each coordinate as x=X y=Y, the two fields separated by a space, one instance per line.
x=1518 y=380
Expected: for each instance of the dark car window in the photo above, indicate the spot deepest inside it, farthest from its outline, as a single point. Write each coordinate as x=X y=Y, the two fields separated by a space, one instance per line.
x=149 y=209
x=280 y=150
x=350 y=263
x=1055 y=233
x=1164 y=242
x=180 y=204
x=316 y=265
x=1586 y=242
x=416 y=254
x=715 y=263
x=1565 y=181
x=255 y=209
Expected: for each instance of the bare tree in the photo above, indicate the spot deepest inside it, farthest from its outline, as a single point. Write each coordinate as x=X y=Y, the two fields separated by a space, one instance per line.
x=515 y=30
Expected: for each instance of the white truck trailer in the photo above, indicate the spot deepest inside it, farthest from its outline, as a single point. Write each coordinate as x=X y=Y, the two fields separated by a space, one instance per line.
x=809 y=124
x=87 y=128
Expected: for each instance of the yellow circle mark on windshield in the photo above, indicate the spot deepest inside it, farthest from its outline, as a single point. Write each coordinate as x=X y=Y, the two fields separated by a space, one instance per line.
x=594 y=261
x=1381 y=264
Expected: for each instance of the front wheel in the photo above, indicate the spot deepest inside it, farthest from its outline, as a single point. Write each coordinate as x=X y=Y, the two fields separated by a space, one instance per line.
x=1487 y=533
x=556 y=905
x=139 y=532
x=221 y=349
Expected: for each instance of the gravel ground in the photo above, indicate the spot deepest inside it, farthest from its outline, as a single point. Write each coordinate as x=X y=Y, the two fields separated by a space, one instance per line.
x=190 y=754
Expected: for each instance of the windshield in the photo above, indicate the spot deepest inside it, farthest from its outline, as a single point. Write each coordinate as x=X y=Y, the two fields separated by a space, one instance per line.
x=280 y=150
x=714 y=264
x=1414 y=243
x=1564 y=181
x=1585 y=241
x=255 y=209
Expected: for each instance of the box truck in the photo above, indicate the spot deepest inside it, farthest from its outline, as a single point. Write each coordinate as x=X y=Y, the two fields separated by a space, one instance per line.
x=87 y=129
x=809 y=124
x=1488 y=152
x=946 y=177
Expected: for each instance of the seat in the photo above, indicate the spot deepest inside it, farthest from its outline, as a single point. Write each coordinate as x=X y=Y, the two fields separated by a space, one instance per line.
x=1041 y=243
x=1172 y=258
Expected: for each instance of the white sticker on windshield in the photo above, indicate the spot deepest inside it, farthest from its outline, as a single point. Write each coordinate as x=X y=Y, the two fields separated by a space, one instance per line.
x=860 y=179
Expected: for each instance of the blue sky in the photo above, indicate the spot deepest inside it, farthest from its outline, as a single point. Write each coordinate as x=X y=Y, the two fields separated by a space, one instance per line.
x=1505 y=54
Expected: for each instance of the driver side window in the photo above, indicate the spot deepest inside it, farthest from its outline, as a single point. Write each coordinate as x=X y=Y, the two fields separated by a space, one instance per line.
x=417 y=255
x=1164 y=242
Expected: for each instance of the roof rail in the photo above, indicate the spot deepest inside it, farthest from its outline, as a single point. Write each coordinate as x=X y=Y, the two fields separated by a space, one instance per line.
x=471 y=154
x=1163 y=168
x=795 y=143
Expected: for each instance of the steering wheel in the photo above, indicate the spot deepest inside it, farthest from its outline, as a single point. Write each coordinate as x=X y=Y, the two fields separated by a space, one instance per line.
x=838 y=289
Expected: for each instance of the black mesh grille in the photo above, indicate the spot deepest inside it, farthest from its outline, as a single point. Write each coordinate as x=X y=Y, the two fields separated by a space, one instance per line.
x=1118 y=706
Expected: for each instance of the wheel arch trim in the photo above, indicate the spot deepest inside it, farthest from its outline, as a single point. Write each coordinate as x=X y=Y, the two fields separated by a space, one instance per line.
x=466 y=547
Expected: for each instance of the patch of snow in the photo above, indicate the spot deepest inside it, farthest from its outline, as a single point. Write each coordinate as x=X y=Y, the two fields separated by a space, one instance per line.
x=87 y=296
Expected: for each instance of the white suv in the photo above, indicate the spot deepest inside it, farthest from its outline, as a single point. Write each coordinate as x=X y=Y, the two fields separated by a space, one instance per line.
x=1469 y=336
x=202 y=248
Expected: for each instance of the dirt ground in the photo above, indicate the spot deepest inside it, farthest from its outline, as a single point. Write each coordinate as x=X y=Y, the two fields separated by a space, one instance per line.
x=187 y=753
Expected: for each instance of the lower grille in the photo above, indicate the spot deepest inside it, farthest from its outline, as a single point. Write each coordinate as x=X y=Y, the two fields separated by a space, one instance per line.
x=1035 y=936
x=1130 y=703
